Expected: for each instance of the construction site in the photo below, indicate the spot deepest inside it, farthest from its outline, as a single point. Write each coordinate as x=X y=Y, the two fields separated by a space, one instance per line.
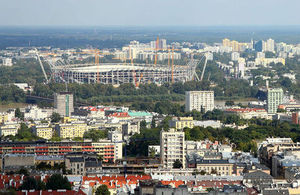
x=122 y=71
x=118 y=73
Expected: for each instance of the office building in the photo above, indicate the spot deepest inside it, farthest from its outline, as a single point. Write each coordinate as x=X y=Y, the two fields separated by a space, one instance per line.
x=275 y=97
x=199 y=100
x=259 y=46
x=63 y=103
x=172 y=147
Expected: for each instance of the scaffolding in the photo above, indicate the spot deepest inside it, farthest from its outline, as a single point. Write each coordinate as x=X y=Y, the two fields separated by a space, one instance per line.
x=118 y=73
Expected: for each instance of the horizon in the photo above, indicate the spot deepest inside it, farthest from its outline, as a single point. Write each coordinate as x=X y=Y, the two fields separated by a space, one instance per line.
x=149 y=13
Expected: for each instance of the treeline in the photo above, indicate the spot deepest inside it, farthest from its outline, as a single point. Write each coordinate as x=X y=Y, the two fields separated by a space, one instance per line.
x=244 y=139
x=11 y=94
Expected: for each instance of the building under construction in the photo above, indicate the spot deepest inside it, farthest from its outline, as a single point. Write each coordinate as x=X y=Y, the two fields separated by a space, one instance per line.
x=118 y=73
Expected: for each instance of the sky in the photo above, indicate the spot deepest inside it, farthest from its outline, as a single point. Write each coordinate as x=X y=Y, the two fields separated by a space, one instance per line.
x=149 y=12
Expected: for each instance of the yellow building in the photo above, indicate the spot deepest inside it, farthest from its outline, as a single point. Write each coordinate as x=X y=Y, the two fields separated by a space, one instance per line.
x=181 y=122
x=221 y=167
x=69 y=120
x=43 y=131
x=9 y=129
x=71 y=130
x=3 y=118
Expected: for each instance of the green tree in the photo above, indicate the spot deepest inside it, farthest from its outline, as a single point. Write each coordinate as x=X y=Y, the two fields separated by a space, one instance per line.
x=102 y=190
x=55 y=117
x=177 y=164
x=19 y=114
x=57 y=181
x=229 y=103
x=95 y=134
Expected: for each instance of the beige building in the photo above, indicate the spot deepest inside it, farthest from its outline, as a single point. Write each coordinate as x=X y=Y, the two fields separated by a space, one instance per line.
x=198 y=100
x=9 y=129
x=221 y=167
x=181 y=122
x=63 y=103
x=172 y=147
x=71 y=130
x=43 y=131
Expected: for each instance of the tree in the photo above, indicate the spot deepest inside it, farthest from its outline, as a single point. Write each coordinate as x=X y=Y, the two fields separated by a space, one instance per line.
x=202 y=172
x=102 y=190
x=95 y=134
x=57 y=181
x=30 y=183
x=177 y=164
x=19 y=114
x=23 y=171
x=229 y=103
x=55 y=117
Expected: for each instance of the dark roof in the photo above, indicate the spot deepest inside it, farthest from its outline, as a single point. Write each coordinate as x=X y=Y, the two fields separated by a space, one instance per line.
x=276 y=192
x=201 y=161
x=257 y=175
x=76 y=159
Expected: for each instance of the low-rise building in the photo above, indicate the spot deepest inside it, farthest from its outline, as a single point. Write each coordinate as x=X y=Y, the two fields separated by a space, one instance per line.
x=248 y=113
x=181 y=122
x=44 y=131
x=9 y=129
x=71 y=130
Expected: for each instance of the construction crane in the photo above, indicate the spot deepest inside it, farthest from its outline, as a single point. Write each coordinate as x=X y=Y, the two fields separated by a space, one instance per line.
x=97 y=53
x=42 y=66
x=204 y=67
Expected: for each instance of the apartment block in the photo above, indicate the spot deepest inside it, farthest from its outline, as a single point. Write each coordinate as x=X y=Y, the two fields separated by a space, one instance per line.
x=71 y=130
x=108 y=150
x=172 y=146
x=275 y=98
x=198 y=100
x=63 y=103
x=9 y=129
x=43 y=131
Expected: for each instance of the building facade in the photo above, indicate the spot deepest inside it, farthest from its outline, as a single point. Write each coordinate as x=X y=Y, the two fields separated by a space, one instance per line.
x=172 y=147
x=63 y=103
x=198 y=100
x=275 y=97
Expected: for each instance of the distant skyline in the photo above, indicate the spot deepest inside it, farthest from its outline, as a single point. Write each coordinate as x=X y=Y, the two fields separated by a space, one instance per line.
x=149 y=12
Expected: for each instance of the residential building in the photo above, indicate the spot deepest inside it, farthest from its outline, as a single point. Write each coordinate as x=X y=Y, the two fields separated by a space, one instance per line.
x=270 y=45
x=215 y=166
x=63 y=103
x=181 y=122
x=172 y=147
x=248 y=113
x=105 y=148
x=71 y=130
x=274 y=99
x=44 y=131
x=235 y=56
x=199 y=100
x=9 y=129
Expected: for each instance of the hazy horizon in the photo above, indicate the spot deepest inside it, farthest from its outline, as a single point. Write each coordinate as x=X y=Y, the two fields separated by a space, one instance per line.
x=142 y=13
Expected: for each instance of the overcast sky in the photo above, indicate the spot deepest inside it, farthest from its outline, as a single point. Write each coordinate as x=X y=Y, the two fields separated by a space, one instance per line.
x=149 y=12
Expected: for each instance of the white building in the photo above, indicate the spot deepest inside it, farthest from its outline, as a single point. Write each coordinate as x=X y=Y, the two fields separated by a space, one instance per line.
x=197 y=100
x=7 y=62
x=275 y=98
x=172 y=147
x=235 y=56
x=270 y=45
